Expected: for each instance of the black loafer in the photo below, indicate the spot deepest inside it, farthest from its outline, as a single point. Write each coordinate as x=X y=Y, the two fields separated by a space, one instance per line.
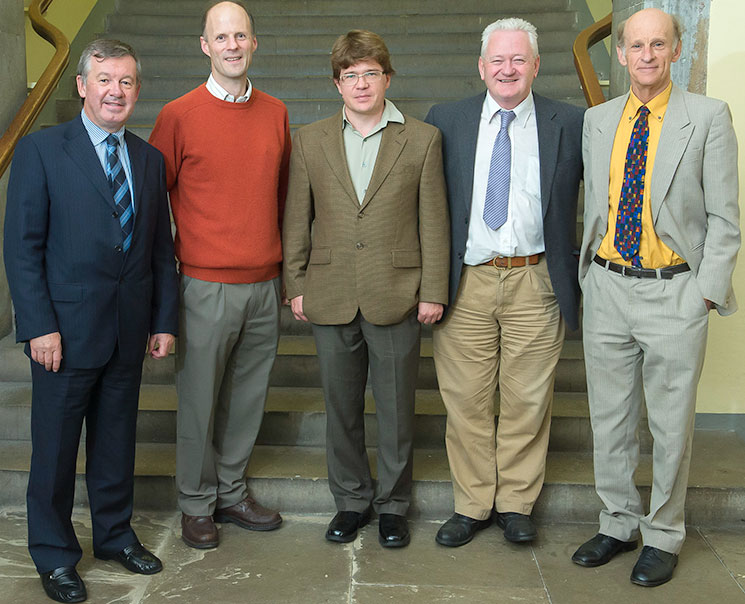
x=344 y=526
x=459 y=530
x=64 y=585
x=600 y=549
x=518 y=528
x=135 y=558
x=393 y=530
x=654 y=567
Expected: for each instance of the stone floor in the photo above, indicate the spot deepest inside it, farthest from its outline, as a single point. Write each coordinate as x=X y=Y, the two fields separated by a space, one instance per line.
x=295 y=564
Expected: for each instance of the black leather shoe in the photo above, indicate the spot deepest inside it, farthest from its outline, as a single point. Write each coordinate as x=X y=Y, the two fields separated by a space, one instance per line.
x=600 y=549
x=654 y=567
x=393 y=530
x=137 y=559
x=518 y=528
x=343 y=527
x=459 y=530
x=64 y=585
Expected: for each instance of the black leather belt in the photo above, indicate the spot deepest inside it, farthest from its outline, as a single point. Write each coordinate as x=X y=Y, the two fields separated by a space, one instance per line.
x=667 y=272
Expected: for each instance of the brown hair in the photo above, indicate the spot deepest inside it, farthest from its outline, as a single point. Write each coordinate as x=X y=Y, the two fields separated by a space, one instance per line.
x=213 y=3
x=359 y=45
x=104 y=48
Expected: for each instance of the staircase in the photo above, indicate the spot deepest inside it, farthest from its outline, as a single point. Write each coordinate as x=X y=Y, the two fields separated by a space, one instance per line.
x=434 y=47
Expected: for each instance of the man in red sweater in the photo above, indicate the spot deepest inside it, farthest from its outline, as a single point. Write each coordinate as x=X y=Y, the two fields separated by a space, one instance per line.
x=226 y=147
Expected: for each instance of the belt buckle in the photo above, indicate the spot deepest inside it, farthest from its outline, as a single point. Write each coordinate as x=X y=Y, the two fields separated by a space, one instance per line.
x=498 y=267
x=632 y=271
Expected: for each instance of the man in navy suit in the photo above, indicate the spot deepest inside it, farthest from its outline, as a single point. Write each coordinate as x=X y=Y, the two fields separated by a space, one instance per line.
x=90 y=263
x=513 y=162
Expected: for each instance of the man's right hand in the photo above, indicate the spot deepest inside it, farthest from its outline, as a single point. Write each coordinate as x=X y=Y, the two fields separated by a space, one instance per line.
x=296 y=304
x=47 y=350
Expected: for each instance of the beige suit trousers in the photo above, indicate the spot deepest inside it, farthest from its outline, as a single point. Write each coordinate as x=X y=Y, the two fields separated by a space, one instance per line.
x=506 y=327
x=644 y=339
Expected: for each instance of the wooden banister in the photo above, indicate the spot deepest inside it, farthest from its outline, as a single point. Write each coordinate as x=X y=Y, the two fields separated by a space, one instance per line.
x=582 y=62
x=44 y=88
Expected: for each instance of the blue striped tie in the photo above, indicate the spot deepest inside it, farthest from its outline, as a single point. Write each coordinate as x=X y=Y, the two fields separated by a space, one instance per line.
x=498 y=185
x=120 y=189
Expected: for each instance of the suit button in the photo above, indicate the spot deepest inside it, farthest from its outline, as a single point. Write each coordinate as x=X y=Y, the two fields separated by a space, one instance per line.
x=360 y=245
x=466 y=220
x=115 y=214
x=361 y=215
x=117 y=248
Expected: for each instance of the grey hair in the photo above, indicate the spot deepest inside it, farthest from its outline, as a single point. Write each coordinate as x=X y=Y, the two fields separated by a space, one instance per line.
x=677 y=32
x=106 y=49
x=511 y=24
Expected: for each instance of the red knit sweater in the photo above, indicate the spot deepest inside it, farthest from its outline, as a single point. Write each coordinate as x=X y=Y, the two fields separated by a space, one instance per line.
x=226 y=165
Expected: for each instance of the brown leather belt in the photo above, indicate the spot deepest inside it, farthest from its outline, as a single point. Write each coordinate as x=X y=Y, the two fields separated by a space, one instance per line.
x=667 y=272
x=512 y=261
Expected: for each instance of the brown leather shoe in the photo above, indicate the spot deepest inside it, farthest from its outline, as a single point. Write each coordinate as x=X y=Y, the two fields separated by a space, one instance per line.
x=250 y=515
x=199 y=531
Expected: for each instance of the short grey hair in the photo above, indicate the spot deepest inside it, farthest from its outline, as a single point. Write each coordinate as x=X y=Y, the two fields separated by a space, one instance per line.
x=511 y=24
x=677 y=31
x=106 y=49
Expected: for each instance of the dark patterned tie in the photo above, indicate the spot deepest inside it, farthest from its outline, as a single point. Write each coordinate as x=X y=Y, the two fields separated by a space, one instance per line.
x=120 y=189
x=629 y=218
x=497 y=197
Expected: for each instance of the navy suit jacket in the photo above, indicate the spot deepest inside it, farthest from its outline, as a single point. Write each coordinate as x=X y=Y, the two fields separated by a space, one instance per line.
x=63 y=249
x=560 y=153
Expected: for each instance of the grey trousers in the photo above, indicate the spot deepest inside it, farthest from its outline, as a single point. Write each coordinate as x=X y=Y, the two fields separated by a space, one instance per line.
x=644 y=339
x=392 y=352
x=228 y=336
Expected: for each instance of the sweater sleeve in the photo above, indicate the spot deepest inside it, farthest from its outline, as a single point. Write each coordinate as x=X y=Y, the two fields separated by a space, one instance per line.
x=164 y=138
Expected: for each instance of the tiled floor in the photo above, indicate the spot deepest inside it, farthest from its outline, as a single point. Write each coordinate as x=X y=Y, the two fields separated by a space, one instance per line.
x=295 y=564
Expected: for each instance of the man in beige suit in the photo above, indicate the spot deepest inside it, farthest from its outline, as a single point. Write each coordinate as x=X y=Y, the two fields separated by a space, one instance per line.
x=366 y=257
x=660 y=242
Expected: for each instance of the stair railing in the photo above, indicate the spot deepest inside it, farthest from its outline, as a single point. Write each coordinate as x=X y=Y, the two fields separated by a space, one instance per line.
x=44 y=88
x=582 y=62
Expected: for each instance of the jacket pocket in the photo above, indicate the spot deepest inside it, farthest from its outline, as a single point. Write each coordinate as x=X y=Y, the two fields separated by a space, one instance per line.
x=320 y=255
x=406 y=258
x=65 y=292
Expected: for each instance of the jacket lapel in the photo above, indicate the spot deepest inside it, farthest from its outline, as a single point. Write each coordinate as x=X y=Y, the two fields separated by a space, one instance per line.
x=333 y=148
x=391 y=145
x=549 y=135
x=468 y=133
x=138 y=166
x=80 y=149
x=676 y=132
x=602 y=147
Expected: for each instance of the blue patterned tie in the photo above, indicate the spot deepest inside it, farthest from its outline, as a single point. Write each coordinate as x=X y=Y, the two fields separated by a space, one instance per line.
x=498 y=185
x=119 y=189
x=629 y=217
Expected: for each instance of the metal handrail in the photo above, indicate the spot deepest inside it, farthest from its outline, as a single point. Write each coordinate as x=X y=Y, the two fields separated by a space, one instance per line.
x=44 y=88
x=582 y=62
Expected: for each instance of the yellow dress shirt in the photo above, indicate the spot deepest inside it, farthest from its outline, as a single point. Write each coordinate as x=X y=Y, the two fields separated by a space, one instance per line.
x=653 y=253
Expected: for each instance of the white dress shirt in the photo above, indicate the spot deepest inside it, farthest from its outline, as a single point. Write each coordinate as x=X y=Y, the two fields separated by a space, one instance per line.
x=522 y=234
x=218 y=91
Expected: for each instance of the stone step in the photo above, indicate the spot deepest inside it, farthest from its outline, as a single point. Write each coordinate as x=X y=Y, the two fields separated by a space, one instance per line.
x=186 y=43
x=333 y=24
x=297 y=365
x=261 y=8
x=296 y=416
x=294 y=480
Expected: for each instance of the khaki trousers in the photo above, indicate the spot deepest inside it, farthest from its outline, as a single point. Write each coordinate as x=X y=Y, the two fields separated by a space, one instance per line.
x=506 y=327
x=644 y=339
x=228 y=336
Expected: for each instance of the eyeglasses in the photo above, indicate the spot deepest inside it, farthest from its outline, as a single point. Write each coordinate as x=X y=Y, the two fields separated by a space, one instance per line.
x=350 y=79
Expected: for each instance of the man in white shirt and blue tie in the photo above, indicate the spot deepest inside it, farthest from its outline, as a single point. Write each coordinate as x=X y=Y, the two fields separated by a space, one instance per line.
x=513 y=164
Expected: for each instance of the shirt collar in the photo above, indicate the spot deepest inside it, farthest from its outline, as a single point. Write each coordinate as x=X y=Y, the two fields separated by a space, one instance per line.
x=390 y=114
x=657 y=106
x=96 y=133
x=522 y=111
x=222 y=94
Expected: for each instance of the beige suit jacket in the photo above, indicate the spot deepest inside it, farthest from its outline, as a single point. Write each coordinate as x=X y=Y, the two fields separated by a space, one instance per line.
x=382 y=256
x=694 y=188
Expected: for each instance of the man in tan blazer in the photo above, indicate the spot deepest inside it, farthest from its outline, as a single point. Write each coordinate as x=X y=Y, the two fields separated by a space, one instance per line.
x=659 y=247
x=366 y=254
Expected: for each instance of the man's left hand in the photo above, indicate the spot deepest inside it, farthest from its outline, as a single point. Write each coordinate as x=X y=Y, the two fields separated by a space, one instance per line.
x=429 y=312
x=159 y=345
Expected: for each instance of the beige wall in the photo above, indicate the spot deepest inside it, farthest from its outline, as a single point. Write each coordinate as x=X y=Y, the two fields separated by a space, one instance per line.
x=68 y=16
x=722 y=388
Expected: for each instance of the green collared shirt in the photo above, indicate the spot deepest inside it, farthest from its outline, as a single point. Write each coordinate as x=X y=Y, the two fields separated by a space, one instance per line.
x=362 y=151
